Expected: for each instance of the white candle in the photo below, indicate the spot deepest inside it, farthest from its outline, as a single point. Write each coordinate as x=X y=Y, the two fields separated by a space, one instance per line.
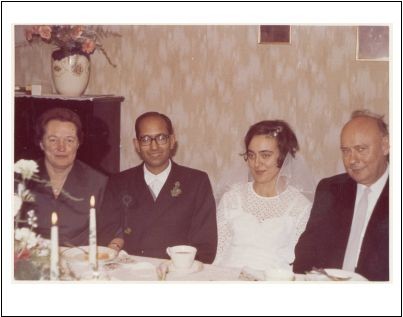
x=54 y=248
x=93 y=236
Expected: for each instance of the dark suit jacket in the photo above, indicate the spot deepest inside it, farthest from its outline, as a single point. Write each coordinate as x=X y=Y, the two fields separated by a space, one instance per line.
x=186 y=215
x=73 y=216
x=324 y=242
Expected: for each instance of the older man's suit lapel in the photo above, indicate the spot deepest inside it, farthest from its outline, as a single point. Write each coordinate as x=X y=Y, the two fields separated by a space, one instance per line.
x=380 y=215
x=324 y=242
x=375 y=244
x=373 y=261
x=346 y=193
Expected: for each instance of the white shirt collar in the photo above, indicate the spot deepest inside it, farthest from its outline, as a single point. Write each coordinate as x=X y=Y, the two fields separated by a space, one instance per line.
x=377 y=187
x=161 y=177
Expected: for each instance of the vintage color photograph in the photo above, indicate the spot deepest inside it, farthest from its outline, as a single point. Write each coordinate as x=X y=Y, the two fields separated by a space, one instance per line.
x=201 y=155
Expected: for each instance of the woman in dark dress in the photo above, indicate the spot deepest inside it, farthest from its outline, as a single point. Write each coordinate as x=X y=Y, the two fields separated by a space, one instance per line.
x=66 y=183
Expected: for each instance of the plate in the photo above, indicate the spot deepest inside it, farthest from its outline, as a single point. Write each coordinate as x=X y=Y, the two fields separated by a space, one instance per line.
x=140 y=271
x=81 y=254
x=334 y=275
x=352 y=276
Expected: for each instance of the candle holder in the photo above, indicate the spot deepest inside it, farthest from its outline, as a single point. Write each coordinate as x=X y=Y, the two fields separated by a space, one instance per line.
x=96 y=274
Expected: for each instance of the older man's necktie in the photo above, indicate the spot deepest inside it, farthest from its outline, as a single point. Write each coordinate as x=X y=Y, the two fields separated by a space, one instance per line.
x=357 y=227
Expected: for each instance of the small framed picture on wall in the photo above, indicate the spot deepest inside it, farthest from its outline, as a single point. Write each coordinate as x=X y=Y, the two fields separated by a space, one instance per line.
x=274 y=34
x=373 y=43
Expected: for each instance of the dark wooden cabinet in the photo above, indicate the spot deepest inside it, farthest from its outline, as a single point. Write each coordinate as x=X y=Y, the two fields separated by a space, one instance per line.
x=100 y=116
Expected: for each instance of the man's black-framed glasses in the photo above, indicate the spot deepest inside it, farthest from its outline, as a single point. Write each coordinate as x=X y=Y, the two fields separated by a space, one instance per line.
x=160 y=139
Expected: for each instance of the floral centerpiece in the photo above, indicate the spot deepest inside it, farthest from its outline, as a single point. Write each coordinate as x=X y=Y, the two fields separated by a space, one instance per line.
x=71 y=39
x=31 y=251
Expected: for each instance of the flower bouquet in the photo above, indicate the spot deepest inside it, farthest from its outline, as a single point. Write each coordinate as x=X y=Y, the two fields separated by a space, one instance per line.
x=70 y=64
x=31 y=251
x=71 y=39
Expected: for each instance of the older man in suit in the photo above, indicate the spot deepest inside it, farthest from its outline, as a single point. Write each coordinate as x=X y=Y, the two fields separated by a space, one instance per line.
x=159 y=203
x=349 y=223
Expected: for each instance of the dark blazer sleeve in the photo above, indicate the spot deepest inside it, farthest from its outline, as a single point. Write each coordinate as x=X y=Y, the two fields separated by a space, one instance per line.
x=324 y=242
x=203 y=229
x=109 y=219
x=307 y=254
x=373 y=261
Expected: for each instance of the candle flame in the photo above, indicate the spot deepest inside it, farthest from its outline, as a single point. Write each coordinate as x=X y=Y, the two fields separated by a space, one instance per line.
x=54 y=218
x=92 y=201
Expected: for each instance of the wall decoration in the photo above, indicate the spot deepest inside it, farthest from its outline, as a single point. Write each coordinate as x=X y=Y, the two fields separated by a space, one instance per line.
x=373 y=43
x=274 y=34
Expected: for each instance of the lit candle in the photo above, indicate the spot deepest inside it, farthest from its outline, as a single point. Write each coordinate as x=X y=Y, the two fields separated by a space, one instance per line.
x=93 y=236
x=54 y=248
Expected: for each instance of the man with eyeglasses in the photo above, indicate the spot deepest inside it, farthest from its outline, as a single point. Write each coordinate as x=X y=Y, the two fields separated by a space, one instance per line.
x=159 y=203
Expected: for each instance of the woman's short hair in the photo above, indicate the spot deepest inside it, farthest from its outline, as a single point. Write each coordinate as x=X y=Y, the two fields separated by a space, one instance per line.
x=155 y=115
x=61 y=114
x=286 y=140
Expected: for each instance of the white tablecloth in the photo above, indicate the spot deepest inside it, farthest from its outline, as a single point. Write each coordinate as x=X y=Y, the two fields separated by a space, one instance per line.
x=136 y=268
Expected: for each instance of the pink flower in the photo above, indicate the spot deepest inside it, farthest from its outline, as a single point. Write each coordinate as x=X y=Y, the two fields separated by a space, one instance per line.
x=45 y=32
x=29 y=32
x=24 y=254
x=73 y=38
x=88 y=46
x=76 y=31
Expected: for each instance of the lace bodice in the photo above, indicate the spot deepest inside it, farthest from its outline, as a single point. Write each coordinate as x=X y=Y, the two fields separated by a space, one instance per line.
x=260 y=232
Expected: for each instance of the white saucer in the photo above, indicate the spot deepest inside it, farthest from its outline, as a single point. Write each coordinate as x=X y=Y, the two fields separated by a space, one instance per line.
x=334 y=274
x=197 y=266
x=353 y=276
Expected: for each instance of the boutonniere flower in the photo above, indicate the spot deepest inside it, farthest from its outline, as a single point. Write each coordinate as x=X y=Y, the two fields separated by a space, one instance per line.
x=176 y=191
x=126 y=200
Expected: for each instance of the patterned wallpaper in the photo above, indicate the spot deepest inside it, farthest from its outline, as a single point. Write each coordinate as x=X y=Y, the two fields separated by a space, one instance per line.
x=215 y=81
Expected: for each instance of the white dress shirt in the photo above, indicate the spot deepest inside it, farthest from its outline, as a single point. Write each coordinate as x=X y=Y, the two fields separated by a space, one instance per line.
x=156 y=182
x=376 y=190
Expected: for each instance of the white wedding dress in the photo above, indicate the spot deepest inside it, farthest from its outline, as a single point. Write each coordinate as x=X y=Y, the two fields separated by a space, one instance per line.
x=260 y=232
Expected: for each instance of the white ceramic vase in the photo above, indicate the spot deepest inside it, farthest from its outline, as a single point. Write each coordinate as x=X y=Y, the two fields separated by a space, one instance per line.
x=70 y=73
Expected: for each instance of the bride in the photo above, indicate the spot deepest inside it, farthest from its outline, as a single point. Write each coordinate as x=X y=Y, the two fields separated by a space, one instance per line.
x=259 y=222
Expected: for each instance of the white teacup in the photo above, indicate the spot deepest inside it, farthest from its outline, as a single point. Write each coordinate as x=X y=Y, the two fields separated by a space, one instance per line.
x=182 y=256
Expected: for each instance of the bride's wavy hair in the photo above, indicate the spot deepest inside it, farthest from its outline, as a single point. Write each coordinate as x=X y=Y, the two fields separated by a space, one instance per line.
x=280 y=130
